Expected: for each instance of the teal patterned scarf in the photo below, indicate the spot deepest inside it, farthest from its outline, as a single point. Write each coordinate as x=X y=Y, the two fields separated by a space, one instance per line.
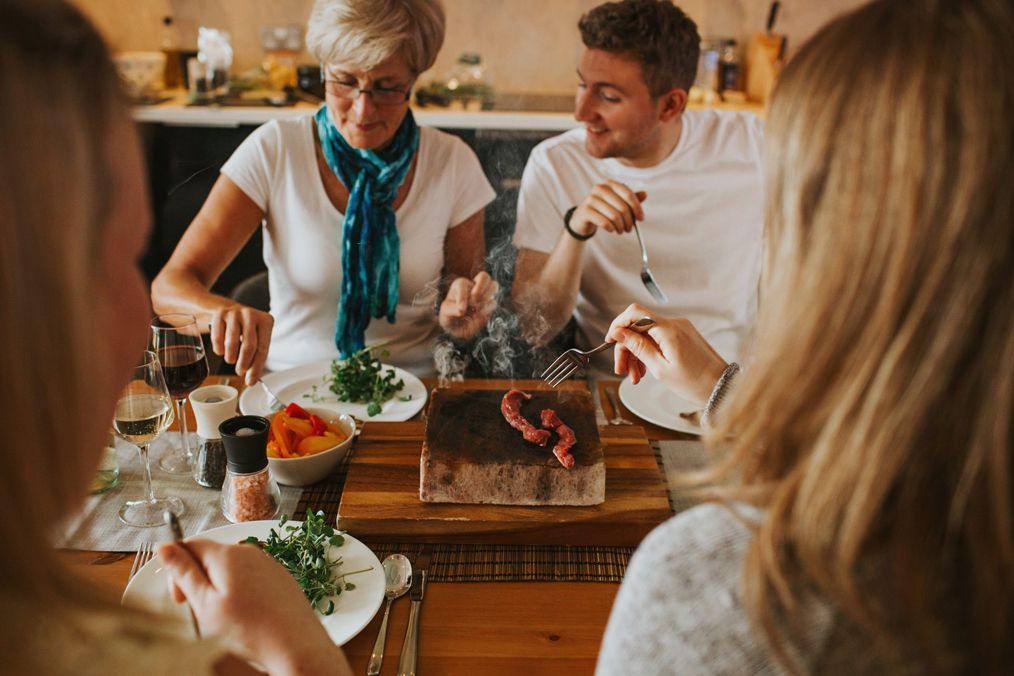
x=371 y=249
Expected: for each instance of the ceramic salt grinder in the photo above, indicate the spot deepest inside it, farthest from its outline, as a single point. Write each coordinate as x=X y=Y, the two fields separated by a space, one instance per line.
x=212 y=406
x=249 y=493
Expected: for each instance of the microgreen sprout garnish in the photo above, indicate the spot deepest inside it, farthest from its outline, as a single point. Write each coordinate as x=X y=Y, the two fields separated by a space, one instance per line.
x=358 y=379
x=304 y=551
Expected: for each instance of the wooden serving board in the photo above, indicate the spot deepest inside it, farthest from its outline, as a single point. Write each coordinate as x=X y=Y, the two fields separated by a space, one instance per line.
x=381 y=502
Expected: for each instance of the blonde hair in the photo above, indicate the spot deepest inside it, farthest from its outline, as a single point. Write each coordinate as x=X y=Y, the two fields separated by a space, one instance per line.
x=363 y=33
x=60 y=103
x=876 y=425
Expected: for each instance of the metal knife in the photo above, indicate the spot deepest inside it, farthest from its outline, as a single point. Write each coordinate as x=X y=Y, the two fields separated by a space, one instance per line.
x=410 y=647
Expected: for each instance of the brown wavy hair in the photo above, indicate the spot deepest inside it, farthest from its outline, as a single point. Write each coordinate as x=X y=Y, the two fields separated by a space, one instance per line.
x=654 y=32
x=876 y=425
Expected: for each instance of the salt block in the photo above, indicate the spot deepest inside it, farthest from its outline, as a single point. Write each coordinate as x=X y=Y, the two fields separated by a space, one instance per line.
x=471 y=454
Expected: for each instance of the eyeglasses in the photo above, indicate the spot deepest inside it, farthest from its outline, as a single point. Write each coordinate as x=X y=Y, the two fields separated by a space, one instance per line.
x=380 y=95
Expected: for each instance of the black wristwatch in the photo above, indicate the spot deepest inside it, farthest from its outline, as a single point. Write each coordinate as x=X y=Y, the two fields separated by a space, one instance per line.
x=566 y=224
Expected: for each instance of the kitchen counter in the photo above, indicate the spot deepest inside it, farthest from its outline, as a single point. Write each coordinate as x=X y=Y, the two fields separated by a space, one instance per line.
x=176 y=112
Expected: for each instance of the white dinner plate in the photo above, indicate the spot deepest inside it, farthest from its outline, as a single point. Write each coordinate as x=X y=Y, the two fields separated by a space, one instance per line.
x=291 y=384
x=353 y=609
x=656 y=403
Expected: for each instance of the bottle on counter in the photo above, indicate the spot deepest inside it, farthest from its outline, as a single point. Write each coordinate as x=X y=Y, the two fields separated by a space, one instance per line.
x=729 y=67
x=212 y=406
x=173 y=76
x=249 y=493
x=281 y=44
x=707 y=83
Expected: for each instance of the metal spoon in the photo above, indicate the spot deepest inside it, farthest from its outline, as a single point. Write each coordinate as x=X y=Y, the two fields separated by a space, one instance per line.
x=398 y=574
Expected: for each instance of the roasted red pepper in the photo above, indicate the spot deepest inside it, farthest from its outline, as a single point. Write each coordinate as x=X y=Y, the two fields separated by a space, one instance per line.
x=318 y=425
x=294 y=410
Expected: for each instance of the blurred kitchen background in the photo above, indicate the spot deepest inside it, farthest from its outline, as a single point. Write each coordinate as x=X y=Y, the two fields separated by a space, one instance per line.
x=528 y=46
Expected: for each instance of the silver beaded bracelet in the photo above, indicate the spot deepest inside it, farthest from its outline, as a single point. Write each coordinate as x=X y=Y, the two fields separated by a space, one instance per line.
x=719 y=394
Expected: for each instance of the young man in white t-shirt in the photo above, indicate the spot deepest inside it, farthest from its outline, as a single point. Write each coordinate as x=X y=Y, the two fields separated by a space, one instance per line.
x=692 y=180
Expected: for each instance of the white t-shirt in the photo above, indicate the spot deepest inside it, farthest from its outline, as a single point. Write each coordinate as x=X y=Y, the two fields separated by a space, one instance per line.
x=276 y=167
x=702 y=229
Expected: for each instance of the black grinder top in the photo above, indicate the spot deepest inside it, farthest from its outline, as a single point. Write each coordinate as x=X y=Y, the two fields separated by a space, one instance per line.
x=246 y=442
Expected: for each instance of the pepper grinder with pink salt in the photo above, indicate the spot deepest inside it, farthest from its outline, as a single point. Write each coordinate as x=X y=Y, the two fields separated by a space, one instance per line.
x=249 y=493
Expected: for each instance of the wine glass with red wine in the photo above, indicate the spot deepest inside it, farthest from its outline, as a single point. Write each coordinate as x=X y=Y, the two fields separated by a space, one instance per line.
x=177 y=342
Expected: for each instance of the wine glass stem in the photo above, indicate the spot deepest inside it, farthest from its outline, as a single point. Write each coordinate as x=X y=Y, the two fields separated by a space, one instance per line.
x=146 y=468
x=181 y=415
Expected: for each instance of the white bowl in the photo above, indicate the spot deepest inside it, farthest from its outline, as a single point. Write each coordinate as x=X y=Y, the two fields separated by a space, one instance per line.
x=314 y=468
x=140 y=71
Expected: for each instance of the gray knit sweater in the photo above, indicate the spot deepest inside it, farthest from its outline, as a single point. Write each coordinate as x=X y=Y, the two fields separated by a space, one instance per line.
x=679 y=611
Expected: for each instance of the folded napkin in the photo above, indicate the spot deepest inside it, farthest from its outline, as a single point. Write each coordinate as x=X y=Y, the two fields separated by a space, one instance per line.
x=97 y=527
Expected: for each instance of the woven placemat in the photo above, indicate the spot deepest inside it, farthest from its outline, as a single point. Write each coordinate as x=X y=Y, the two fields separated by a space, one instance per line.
x=516 y=563
x=675 y=458
x=484 y=562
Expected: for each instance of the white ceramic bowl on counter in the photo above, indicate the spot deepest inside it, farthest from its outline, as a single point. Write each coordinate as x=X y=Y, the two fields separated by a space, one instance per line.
x=140 y=71
x=308 y=470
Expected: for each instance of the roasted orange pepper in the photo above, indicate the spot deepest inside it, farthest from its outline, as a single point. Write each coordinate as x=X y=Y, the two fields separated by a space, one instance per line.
x=281 y=436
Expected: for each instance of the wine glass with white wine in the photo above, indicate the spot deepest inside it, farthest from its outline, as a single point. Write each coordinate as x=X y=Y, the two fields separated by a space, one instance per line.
x=143 y=412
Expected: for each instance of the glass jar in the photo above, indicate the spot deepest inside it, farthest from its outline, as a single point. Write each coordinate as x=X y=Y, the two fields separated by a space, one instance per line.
x=250 y=496
x=468 y=82
x=108 y=473
x=209 y=463
x=215 y=52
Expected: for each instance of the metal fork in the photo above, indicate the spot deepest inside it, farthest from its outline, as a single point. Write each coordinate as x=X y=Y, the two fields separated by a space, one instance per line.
x=273 y=403
x=573 y=359
x=144 y=554
x=646 y=277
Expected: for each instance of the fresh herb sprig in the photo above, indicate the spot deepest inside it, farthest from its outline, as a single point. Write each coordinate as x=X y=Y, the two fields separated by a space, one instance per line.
x=359 y=379
x=304 y=551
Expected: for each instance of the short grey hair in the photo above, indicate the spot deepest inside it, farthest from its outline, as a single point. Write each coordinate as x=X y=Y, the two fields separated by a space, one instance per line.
x=363 y=33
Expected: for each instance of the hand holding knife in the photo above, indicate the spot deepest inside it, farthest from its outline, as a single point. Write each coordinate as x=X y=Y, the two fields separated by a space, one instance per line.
x=410 y=647
x=177 y=532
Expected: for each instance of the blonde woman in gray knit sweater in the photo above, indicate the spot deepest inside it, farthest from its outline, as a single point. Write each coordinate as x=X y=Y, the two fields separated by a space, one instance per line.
x=865 y=520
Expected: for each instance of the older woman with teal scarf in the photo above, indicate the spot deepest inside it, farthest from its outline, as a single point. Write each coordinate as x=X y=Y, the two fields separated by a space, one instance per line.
x=369 y=220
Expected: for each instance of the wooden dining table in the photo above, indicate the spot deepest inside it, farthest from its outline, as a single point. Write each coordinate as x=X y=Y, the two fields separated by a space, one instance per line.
x=490 y=628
